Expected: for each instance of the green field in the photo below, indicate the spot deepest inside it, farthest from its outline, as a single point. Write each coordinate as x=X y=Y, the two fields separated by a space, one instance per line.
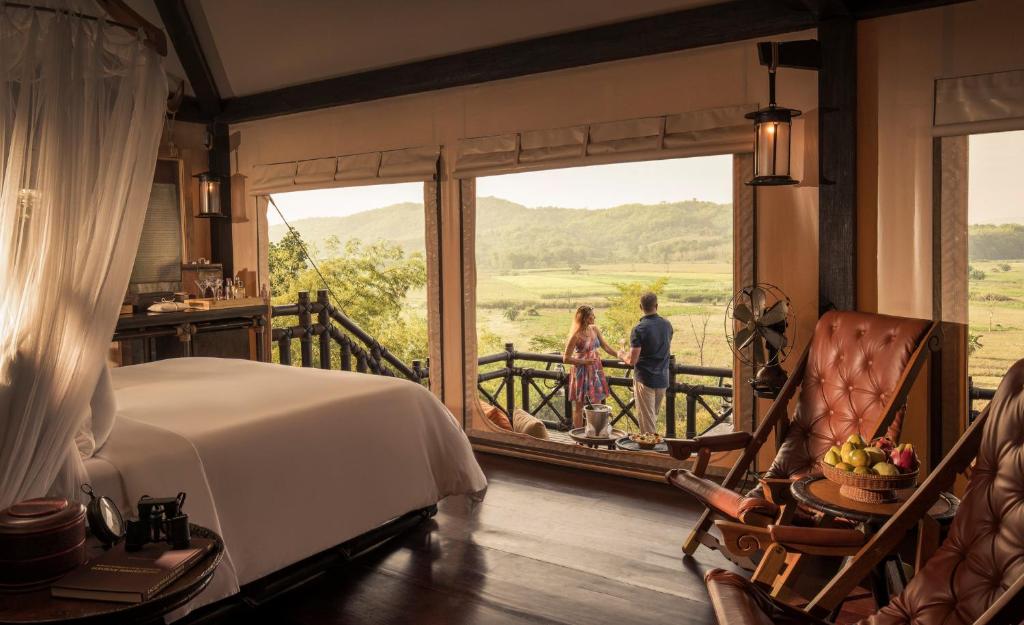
x=695 y=292
x=996 y=311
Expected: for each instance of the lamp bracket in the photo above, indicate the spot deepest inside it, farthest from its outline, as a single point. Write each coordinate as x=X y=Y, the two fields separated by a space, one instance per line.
x=803 y=54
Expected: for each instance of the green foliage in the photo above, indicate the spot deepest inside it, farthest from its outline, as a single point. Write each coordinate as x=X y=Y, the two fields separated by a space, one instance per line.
x=975 y=274
x=1004 y=267
x=973 y=343
x=511 y=313
x=286 y=261
x=990 y=242
x=370 y=284
x=624 y=308
x=544 y=343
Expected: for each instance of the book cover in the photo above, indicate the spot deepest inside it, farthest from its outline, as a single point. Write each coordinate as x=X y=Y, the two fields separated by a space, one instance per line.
x=130 y=577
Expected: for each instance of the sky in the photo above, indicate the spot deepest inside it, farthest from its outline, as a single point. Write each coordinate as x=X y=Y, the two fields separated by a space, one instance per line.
x=995 y=188
x=596 y=186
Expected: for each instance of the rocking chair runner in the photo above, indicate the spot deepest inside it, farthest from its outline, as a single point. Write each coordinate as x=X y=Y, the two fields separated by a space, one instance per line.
x=976 y=576
x=853 y=378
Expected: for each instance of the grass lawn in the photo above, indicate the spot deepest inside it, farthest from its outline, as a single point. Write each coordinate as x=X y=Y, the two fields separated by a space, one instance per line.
x=996 y=313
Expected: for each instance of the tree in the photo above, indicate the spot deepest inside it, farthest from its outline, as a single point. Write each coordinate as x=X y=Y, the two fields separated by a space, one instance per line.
x=700 y=337
x=624 y=307
x=369 y=283
x=287 y=261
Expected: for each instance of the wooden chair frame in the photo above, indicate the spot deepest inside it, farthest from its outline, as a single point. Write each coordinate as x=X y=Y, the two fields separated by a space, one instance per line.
x=746 y=538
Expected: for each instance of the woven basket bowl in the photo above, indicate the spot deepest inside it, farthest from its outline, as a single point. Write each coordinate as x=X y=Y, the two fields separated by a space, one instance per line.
x=868 y=488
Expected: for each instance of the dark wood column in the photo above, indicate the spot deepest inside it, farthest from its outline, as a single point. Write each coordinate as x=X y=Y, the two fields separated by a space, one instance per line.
x=837 y=195
x=221 y=250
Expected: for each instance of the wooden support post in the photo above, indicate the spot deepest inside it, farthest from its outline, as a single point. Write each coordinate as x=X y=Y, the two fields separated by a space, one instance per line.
x=323 y=318
x=525 y=379
x=284 y=350
x=691 y=415
x=305 y=322
x=837 y=193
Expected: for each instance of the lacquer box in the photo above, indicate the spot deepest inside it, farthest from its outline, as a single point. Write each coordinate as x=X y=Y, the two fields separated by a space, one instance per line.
x=40 y=540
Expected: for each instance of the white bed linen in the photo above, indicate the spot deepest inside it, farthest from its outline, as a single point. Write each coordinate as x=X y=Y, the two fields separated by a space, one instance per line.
x=283 y=462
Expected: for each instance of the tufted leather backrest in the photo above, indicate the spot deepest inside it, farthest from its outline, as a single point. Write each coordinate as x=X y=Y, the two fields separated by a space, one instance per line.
x=853 y=369
x=983 y=554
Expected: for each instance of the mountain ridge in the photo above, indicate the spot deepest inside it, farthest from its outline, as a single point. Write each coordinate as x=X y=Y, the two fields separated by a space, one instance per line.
x=513 y=236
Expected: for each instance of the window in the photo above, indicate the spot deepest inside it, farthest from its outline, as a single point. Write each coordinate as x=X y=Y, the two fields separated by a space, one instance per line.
x=602 y=235
x=366 y=247
x=995 y=274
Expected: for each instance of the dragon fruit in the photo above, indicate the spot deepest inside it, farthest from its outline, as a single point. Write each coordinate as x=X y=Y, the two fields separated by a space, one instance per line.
x=904 y=458
x=884 y=443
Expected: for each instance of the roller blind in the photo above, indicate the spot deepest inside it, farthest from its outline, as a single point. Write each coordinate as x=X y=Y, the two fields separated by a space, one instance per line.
x=710 y=131
x=983 y=97
x=405 y=165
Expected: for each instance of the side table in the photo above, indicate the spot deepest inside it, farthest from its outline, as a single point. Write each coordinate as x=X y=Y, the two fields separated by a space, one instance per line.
x=38 y=606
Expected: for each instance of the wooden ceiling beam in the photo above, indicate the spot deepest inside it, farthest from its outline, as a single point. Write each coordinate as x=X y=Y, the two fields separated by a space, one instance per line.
x=681 y=30
x=182 y=33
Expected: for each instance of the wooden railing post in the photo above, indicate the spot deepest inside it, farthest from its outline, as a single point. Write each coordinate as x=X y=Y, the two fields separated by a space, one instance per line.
x=306 y=339
x=510 y=389
x=670 y=399
x=524 y=378
x=346 y=354
x=284 y=348
x=323 y=318
x=691 y=414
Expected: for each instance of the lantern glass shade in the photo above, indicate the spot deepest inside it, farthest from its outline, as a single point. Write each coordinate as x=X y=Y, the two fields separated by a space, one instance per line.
x=772 y=143
x=209 y=195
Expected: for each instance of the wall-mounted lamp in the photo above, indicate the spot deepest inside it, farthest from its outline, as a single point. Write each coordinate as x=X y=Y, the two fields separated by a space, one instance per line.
x=209 y=195
x=773 y=125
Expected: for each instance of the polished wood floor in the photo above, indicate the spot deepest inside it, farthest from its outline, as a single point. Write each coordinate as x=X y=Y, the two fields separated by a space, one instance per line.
x=547 y=545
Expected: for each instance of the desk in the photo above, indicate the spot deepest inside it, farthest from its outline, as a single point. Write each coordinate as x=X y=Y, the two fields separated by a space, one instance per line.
x=155 y=336
x=38 y=606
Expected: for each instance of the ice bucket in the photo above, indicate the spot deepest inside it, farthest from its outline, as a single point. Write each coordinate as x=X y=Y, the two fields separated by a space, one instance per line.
x=598 y=421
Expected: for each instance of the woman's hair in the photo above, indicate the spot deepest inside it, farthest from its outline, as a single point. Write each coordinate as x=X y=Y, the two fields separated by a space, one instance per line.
x=579 y=319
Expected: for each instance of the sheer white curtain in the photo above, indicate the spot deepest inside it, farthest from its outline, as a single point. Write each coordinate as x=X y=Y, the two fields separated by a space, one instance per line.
x=81 y=111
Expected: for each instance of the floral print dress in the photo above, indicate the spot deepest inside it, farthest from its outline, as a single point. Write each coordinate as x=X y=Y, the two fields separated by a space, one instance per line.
x=588 y=382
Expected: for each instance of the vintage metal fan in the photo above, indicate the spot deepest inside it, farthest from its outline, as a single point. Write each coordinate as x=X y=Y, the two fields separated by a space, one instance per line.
x=758 y=326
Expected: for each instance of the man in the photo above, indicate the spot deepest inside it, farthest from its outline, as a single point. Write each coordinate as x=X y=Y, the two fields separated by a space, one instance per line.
x=650 y=344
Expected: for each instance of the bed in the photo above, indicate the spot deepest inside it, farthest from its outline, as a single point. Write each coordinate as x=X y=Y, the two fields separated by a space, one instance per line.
x=283 y=462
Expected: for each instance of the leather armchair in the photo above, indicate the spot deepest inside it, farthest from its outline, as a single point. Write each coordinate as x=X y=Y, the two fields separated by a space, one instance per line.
x=976 y=576
x=853 y=378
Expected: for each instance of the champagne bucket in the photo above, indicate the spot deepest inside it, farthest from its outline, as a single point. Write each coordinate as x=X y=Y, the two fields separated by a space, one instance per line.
x=598 y=421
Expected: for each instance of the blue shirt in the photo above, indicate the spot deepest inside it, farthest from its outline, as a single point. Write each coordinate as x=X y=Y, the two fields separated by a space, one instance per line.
x=653 y=335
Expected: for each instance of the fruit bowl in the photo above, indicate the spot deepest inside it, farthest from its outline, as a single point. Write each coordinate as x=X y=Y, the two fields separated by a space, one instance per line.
x=868 y=488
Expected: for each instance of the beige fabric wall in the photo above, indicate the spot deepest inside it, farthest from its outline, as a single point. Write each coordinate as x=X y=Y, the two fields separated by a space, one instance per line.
x=899 y=59
x=672 y=83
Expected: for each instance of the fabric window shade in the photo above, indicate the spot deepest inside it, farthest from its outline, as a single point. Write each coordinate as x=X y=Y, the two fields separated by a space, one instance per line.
x=318 y=170
x=405 y=165
x=709 y=131
x=626 y=136
x=274 y=176
x=980 y=98
x=544 y=145
x=409 y=163
x=358 y=166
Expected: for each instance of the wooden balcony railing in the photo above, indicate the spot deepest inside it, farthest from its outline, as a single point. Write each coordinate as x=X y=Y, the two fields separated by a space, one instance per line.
x=550 y=382
x=333 y=332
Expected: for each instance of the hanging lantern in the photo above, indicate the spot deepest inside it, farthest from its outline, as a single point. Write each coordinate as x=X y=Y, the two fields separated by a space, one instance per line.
x=772 y=134
x=209 y=195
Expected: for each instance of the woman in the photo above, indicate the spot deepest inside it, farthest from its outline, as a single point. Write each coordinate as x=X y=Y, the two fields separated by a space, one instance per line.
x=587 y=384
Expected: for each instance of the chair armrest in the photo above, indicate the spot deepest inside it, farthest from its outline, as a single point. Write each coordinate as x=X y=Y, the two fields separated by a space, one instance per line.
x=817 y=540
x=777 y=490
x=683 y=448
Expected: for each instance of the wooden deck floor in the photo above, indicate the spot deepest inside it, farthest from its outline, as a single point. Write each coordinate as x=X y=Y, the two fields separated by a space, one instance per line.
x=547 y=545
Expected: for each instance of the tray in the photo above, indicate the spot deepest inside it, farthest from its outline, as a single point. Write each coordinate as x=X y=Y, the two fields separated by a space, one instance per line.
x=577 y=435
x=625 y=444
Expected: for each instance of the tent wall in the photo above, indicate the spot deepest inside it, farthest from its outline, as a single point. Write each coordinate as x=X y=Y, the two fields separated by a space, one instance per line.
x=720 y=76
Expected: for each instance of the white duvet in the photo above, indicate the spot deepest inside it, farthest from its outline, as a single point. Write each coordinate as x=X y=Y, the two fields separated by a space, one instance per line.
x=282 y=462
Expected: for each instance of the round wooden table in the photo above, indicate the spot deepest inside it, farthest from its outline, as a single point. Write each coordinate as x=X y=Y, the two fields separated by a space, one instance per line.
x=595 y=441
x=38 y=606
x=820 y=494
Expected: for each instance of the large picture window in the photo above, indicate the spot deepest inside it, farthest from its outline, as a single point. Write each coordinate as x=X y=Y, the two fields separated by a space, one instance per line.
x=549 y=242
